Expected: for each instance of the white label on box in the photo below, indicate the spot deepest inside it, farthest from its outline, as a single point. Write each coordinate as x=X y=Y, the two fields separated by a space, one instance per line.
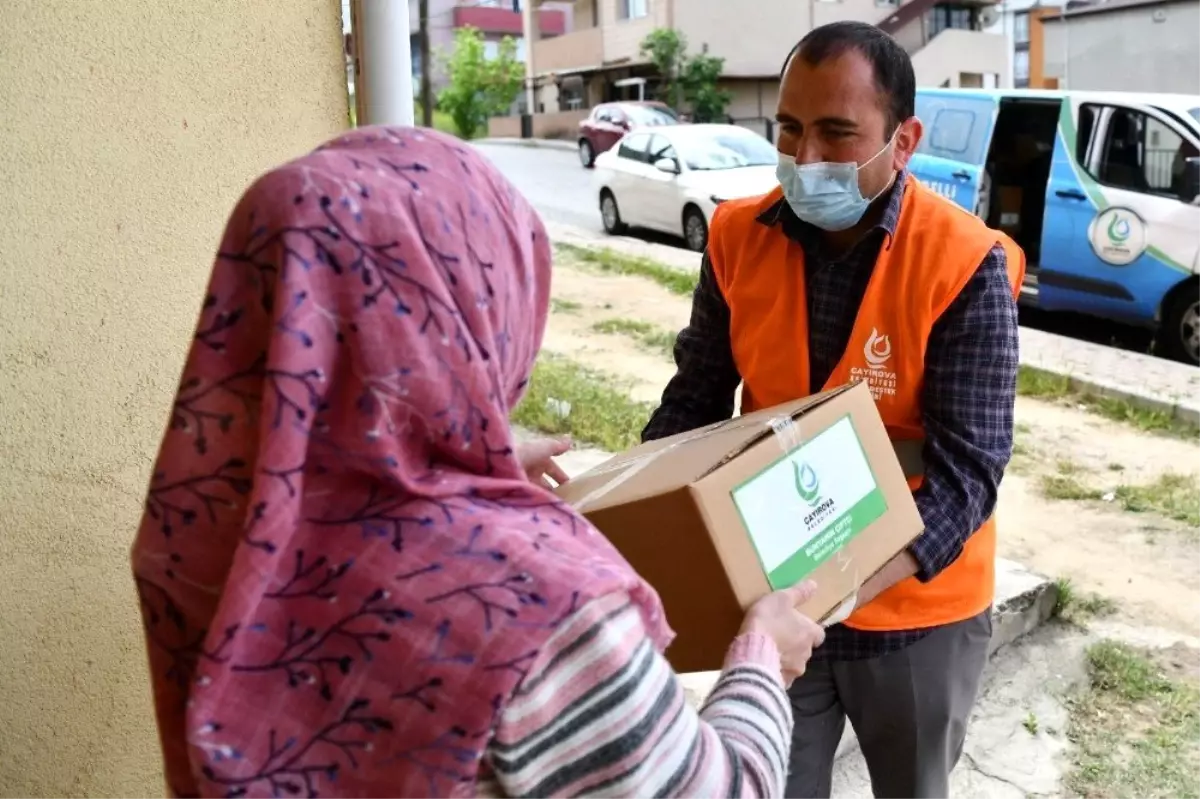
x=804 y=507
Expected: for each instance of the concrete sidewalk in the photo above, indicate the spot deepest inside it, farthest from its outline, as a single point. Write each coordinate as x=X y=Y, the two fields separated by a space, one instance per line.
x=1143 y=380
x=553 y=144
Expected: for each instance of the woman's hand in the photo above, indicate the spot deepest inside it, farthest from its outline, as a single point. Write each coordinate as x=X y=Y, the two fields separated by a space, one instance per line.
x=794 y=634
x=537 y=459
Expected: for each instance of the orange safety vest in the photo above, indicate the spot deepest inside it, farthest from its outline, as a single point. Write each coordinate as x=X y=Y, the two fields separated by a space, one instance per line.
x=921 y=270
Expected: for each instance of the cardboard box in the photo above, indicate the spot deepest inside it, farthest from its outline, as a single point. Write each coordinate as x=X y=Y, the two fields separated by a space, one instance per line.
x=1009 y=199
x=719 y=517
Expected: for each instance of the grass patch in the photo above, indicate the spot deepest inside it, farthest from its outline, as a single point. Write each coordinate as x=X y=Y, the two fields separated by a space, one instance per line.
x=564 y=306
x=646 y=334
x=1172 y=495
x=1078 y=606
x=1136 y=730
x=565 y=397
x=1065 y=485
x=1043 y=385
x=602 y=259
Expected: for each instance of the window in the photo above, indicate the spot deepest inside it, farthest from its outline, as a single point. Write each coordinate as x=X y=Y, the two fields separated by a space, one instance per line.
x=661 y=148
x=633 y=9
x=952 y=131
x=649 y=115
x=706 y=149
x=1021 y=67
x=1083 y=137
x=948 y=15
x=958 y=129
x=1142 y=153
x=634 y=147
x=1021 y=28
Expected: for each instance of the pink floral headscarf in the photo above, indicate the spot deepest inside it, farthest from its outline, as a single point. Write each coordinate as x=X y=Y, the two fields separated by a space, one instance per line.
x=343 y=571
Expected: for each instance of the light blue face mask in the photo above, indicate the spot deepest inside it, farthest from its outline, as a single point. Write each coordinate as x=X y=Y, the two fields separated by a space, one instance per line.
x=826 y=194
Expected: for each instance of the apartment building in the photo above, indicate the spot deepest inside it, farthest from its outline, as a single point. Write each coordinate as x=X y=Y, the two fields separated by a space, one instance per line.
x=1020 y=22
x=597 y=58
x=1154 y=41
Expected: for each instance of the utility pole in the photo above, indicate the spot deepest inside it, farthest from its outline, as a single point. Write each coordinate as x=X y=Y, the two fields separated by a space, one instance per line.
x=530 y=32
x=426 y=81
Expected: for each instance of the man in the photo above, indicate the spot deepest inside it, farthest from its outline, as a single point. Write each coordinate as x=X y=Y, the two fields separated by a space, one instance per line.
x=852 y=270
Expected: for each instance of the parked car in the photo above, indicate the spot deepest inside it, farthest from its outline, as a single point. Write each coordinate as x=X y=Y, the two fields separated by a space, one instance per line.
x=608 y=122
x=673 y=179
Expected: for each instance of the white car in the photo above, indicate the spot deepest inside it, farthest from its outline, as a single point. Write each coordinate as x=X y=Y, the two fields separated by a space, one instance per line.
x=672 y=178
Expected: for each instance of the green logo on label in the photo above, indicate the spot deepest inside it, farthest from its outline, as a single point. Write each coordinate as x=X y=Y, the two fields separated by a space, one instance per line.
x=807 y=484
x=1118 y=230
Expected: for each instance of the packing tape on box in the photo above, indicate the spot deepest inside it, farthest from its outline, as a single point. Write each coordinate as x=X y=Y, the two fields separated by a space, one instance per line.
x=785 y=429
x=632 y=468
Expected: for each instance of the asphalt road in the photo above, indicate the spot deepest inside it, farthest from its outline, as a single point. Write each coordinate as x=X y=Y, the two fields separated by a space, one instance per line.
x=553 y=180
x=562 y=191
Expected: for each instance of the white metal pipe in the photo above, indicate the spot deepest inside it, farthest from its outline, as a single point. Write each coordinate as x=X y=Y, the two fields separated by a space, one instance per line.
x=385 y=85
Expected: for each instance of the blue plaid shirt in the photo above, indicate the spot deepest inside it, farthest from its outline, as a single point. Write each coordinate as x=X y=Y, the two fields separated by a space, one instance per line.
x=967 y=399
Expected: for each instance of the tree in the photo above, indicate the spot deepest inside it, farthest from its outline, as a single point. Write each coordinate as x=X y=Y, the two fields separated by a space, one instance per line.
x=479 y=87
x=666 y=49
x=700 y=76
x=684 y=78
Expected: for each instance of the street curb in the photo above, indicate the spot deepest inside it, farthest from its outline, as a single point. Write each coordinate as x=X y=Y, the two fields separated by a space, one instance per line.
x=1024 y=601
x=1099 y=388
x=550 y=144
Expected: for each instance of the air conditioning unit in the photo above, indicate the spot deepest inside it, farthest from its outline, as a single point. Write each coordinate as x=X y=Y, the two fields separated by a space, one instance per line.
x=988 y=16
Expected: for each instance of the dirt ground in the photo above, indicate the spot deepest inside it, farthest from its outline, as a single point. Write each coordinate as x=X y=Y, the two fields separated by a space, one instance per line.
x=1148 y=565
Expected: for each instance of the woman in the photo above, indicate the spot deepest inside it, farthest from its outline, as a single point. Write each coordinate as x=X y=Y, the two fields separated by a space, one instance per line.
x=350 y=580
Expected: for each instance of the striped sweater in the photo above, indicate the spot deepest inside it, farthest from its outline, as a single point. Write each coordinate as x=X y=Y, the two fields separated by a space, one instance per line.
x=602 y=713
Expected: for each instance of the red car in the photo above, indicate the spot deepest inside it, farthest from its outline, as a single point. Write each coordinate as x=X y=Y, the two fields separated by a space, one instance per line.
x=608 y=122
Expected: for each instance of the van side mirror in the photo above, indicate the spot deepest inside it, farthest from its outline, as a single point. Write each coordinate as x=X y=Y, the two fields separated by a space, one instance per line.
x=1191 y=181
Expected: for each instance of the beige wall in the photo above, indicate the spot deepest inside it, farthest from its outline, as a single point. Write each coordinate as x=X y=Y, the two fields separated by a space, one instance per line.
x=576 y=50
x=623 y=37
x=129 y=129
x=962 y=57
x=553 y=125
x=755 y=38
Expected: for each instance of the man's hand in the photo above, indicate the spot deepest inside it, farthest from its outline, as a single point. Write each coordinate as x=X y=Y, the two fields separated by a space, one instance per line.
x=898 y=568
x=537 y=459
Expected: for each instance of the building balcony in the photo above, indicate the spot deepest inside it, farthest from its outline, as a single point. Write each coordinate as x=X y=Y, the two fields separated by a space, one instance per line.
x=578 y=50
x=505 y=21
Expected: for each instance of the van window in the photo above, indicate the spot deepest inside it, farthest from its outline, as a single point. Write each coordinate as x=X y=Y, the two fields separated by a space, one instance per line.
x=1141 y=153
x=1083 y=137
x=956 y=128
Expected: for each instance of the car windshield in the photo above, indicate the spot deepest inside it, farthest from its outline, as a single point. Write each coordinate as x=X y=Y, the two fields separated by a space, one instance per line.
x=650 y=115
x=706 y=150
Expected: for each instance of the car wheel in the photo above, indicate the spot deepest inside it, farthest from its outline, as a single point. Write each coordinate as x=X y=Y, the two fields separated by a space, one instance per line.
x=587 y=156
x=1180 y=333
x=610 y=215
x=695 y=229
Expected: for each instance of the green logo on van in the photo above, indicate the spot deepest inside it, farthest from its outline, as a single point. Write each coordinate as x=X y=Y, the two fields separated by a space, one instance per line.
x=1118 y=229
x=807 y=484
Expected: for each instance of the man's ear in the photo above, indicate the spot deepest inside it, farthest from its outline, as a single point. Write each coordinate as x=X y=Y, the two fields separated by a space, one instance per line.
x=908 y=138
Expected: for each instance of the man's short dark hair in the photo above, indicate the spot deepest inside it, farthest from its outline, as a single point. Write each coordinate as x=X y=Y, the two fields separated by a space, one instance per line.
x=892 y=67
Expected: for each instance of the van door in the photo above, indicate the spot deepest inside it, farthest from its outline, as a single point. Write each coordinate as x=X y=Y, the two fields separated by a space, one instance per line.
x=1119 y=233
x=954 y=149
